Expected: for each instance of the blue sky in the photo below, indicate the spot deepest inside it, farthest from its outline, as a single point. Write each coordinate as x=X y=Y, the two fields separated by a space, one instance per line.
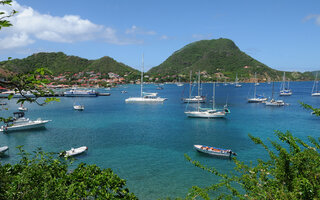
x=284 y=35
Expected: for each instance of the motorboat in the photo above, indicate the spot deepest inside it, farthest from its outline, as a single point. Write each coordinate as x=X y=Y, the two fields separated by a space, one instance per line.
x=74 y=151
x=214 y=151
x=195 y=99
x=21 y=108
x=145 y=97
x=19 y=122
x=3 y=149
x=17 y=95
x=80 y=93
x=273 y=102
x=123 y=91
x=78 y=107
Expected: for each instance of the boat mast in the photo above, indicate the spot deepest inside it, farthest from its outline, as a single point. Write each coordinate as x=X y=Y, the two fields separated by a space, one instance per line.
x=284 y=81
x=141 y=84
x=272 y=90
x=315 y=84
x=198 y=91
x=190 y=85
x=199 y=83
x=255 y=85
x=213 y=94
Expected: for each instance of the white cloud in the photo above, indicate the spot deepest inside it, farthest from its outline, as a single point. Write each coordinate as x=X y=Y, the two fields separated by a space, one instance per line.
x=138 y=31
x=32 y=25
x=15 y=40
x=311 y=17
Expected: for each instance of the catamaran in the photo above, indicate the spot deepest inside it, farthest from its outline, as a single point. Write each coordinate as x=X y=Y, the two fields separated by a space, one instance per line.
x=256 y=98
x=194 y=99
x=144 y=96
x=285 y=91
x=236 y=82
x=274 y=102
x=315 y=91
x=19 y=122
x=209 y=112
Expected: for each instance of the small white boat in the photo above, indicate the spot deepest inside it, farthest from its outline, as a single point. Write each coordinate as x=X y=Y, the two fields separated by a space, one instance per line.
x=214 y=151
x=19 y=122
x=195 y=99
x=74 y=151
x=273 y=102
x=21 y=108
x=4 y=149
x=123 y=91
x=78 y=107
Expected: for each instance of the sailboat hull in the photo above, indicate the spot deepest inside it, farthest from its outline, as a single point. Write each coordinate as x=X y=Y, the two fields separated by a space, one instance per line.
x=206 y=114
x=315 y=94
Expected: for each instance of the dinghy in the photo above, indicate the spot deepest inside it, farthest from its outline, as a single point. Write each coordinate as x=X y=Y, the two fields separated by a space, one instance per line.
x=4 y=149
x=214 y=151
x=74 y=151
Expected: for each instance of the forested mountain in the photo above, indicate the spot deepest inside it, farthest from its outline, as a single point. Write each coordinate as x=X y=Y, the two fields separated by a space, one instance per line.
x=220 y=58
x=60 y=63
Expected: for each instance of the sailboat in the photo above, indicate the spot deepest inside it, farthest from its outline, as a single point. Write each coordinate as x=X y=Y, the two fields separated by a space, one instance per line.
x=236 y=82
x=195 y=99
x=315 y=91
x=209 y=112
x=144 y=96
x=285 y=91
x=179 y=84
x=274 y=102
x=256 y=98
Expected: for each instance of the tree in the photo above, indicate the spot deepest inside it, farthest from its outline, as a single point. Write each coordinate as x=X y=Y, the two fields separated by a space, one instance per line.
x=292 y=171
x=46 y=176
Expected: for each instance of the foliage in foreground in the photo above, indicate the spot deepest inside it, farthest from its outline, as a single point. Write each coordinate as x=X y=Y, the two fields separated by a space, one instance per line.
x=291 y=172
x=45 y=176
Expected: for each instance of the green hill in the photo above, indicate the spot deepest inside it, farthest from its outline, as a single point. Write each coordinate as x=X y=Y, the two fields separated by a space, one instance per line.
x=219 y=57
x=60 y=63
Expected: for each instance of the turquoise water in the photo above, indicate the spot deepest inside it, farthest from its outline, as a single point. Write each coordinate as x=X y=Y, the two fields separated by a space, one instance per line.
x=145 y=143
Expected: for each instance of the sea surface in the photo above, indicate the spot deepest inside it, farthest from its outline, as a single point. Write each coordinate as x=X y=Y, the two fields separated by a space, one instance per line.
x=145 y=143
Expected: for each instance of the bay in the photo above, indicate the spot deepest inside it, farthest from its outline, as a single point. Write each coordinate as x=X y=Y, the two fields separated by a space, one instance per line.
x=145 y=143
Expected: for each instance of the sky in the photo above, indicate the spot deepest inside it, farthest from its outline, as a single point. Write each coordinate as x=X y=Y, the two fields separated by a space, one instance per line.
x=283 y=34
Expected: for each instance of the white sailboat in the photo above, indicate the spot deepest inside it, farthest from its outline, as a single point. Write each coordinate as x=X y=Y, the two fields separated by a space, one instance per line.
x=208 y=112
x=194 y=99
x=236 y=82
x=274 y=102
x=256 y=98
x=315 y=91
x=145 y=97
x=285 y=91
x=179 y=84
x=78 y=107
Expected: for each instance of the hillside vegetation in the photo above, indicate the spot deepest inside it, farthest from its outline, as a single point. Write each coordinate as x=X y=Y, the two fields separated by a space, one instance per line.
x=219 y=58
x=60 y=63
